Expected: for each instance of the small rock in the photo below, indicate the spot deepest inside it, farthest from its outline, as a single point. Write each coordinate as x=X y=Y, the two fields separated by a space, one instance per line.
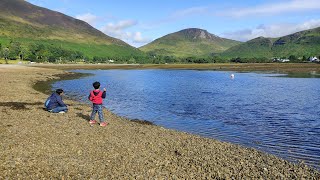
x=265 y=169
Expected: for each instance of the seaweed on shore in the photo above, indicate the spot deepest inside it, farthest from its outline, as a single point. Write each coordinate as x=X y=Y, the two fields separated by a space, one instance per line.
x=145 y=122
x=46 y=85
x=19 y=105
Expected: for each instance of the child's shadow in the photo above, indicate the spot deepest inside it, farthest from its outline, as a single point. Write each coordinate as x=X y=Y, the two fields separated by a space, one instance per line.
x=85 y=117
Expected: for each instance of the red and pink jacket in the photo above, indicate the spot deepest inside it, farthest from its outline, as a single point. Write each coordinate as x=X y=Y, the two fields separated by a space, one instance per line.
x=96 y=96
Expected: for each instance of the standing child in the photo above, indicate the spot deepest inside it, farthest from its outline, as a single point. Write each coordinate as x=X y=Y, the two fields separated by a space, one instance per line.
x=96 y=97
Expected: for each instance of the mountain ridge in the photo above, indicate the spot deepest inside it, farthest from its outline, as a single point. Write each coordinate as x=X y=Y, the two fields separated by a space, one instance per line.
x=189 y=42
x=25 y=25
x=39 y=34
x=302 y=43
x=50 y=23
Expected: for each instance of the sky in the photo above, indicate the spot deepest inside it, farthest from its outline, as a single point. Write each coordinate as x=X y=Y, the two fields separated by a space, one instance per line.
x=139 y=22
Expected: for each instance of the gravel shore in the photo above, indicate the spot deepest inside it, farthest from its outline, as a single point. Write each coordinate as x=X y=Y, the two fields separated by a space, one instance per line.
x=36 y=144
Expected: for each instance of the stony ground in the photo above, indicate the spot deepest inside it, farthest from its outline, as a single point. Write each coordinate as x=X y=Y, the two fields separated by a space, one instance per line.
x=36 y=144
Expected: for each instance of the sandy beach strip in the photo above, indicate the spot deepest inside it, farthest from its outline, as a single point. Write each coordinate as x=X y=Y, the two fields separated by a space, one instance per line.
x=36 y=144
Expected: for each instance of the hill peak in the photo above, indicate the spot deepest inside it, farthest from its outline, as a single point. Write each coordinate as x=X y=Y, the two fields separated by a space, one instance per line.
x=189 y=42
x=196 y=33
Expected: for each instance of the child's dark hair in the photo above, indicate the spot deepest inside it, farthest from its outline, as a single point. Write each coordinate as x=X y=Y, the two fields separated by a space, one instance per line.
x=59 y=91
x=96 y=85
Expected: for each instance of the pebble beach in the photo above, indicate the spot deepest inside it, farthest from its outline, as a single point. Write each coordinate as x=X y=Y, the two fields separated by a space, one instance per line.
x=36 y=144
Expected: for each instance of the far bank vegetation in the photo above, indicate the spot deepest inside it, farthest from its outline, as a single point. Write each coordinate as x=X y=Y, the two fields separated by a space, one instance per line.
x=59 y=52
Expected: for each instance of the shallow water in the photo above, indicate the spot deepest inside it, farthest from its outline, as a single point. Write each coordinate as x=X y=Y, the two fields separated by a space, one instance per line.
x=277 y=115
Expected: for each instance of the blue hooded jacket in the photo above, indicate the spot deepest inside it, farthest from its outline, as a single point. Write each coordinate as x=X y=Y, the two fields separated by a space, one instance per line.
x=55 y=101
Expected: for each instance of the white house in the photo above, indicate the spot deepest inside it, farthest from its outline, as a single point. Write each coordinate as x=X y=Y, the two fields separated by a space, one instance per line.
x=285 y=60
x=280 y=60
x=313 y=59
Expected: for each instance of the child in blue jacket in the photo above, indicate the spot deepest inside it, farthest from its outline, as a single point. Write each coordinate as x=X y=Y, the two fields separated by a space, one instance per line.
x=55 y=104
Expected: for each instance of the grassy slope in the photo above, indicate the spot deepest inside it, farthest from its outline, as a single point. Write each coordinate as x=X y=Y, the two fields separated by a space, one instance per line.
x=32 y=24
x=180 y=45
x=89 y=49
x=90 y=45
x=259 y=47
x=15 y=28
x=304 y=43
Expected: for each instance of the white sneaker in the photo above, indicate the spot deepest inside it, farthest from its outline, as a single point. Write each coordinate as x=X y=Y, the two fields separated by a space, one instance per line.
x=61 y=112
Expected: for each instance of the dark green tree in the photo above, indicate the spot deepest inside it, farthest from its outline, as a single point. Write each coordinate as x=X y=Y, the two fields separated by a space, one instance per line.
x=293 y=58
x=15 y=48
x=23 y=52
x=304 y=58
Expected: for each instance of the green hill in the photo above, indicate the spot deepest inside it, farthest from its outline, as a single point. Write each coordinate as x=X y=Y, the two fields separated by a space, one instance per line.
x=189 y=42
x=304 y=43
x=27 y=25
x=258 y=47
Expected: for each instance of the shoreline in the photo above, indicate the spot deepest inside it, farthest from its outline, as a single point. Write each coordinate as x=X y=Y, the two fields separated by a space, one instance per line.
x=38 y=144
x=239 y=67
x=45 y=88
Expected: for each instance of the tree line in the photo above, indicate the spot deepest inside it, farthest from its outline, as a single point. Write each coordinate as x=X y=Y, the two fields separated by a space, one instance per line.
x=38 y=52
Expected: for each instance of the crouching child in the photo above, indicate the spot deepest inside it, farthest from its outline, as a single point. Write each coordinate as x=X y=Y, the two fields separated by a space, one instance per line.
x=55 y=104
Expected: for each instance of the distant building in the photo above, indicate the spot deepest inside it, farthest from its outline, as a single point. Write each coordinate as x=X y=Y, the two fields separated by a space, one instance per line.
x=313 y=59
x=280 y=60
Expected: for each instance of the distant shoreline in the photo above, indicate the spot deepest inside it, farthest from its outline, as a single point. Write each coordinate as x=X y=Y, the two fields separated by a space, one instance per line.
x=271 y=67
x=44 y=86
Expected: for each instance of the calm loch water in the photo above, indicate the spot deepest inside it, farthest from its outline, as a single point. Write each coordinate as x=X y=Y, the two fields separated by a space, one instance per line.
x=277 y=115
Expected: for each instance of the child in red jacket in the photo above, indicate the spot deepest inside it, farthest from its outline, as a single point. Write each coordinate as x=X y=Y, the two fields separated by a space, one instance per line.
x=96 y=97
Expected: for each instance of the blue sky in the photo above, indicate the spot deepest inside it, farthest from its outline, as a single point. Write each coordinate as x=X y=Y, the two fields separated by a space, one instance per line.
x=139 y=22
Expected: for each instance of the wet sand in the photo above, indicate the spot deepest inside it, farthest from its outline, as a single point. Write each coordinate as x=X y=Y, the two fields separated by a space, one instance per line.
x=36 y=144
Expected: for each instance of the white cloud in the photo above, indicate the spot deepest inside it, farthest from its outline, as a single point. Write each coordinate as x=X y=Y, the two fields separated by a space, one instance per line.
x=121 y=25
x=88 y=17
x=119 y=30
x=137 y=38
x=273 y=30
x=275 y=8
